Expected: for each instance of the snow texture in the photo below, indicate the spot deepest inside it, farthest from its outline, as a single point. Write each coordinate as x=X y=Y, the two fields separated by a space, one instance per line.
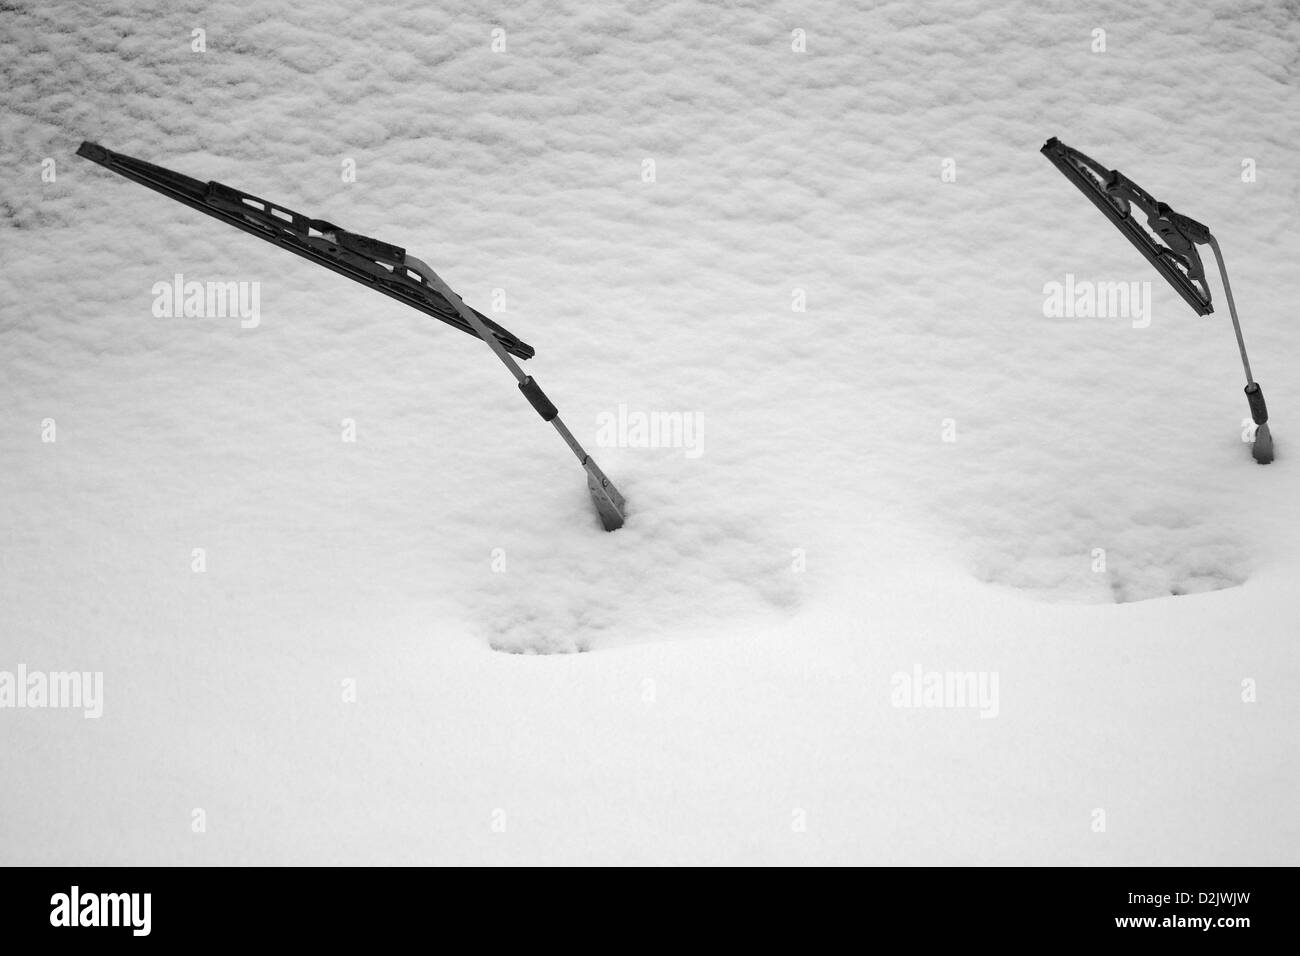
x=919 y=469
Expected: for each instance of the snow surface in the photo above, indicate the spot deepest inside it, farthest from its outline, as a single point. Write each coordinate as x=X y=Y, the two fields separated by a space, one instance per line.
x=732 y=708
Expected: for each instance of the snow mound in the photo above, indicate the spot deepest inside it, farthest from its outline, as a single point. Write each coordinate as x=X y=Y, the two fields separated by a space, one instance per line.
x=675 y=566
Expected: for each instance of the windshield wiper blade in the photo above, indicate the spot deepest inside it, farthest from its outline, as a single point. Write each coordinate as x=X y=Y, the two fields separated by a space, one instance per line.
x=371 y=262
x=1114 y=194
